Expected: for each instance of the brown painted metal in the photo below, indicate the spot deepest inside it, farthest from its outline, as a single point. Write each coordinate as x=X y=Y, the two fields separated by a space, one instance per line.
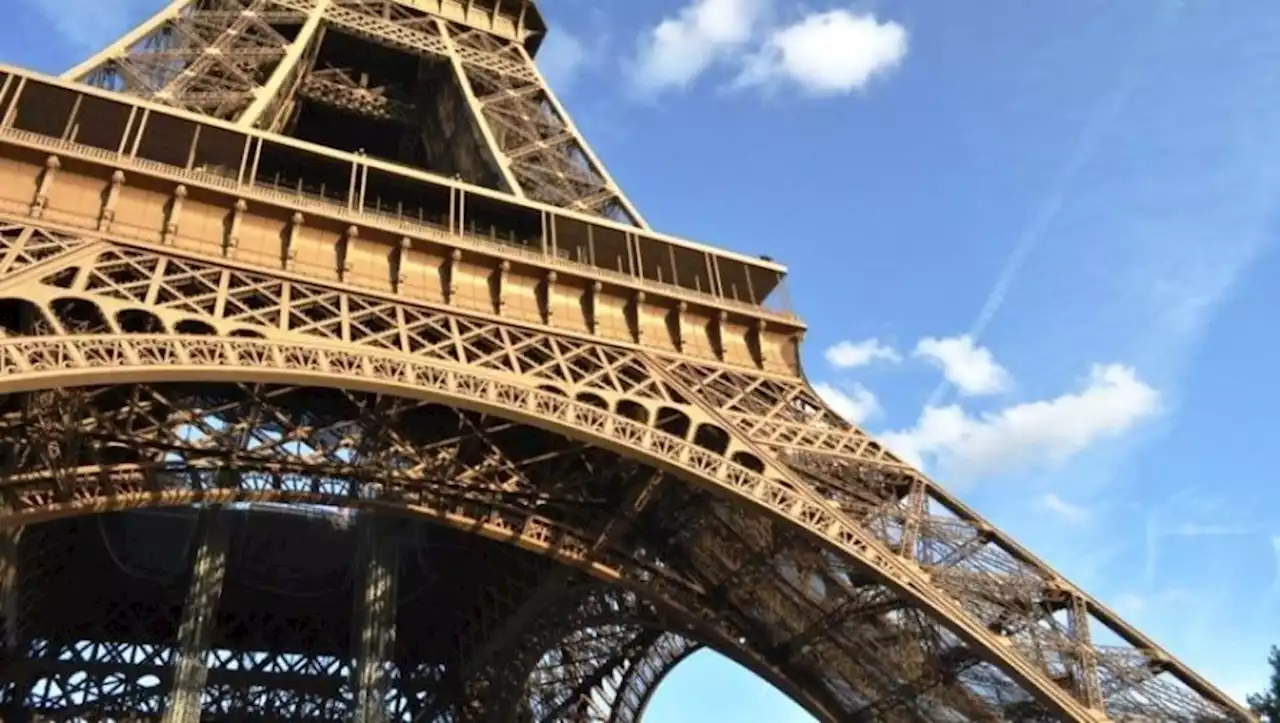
x=353 y=253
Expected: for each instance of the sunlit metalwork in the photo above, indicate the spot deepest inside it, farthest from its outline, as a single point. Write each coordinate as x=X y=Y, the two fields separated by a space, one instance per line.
x=341 y=382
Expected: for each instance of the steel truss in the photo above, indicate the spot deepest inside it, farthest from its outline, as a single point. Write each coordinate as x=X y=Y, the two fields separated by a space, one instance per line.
x=195 y=630
x=564 y=465
x=568 y=654
x=251 y=61
x=801 y=601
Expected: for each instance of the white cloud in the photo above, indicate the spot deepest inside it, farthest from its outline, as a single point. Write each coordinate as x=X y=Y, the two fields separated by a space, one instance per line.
x=827 y=53
x=682 y=47
x=971 y=368
x=1112 y=401
x=854 y=402
x=850 y=355
x=1065 y=510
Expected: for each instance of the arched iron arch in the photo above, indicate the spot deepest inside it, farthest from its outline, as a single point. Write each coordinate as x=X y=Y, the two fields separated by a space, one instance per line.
x=546 y=537
x=30 y=364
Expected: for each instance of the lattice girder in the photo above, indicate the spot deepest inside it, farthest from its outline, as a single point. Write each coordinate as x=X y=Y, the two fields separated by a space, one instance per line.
x=182 y=294
x=136 y=431
x=129 y=285
x=185 y=334
x=304 y=684
x=1001 y=582
x=211 y=57
x=544 y=151
x=936 y=534
x=229 y=59
x=128 y=680
x=136 y=442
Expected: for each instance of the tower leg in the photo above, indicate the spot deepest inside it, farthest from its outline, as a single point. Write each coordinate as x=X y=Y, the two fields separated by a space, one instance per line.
x=9 y=588
x=374 y=629
x=198 y=617
x=14 y=693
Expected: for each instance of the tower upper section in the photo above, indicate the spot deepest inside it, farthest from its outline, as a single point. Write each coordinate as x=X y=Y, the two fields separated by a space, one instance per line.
x=445 y=86
x=423 y=132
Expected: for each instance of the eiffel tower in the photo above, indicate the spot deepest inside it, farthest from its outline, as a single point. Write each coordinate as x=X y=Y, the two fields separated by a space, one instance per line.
x=340 y=381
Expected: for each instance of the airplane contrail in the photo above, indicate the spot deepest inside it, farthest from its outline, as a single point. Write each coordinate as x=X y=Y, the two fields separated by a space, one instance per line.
x=1046 y=212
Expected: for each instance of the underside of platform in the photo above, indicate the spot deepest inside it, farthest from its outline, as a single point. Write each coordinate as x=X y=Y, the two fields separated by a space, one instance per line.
x=104 y=600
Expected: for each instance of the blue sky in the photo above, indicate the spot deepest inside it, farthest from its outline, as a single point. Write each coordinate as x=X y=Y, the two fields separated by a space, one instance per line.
x=1034 y=242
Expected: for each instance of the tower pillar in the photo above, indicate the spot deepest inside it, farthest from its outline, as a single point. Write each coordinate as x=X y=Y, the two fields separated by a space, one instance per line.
x=198 y=617
x=374 y=622
x=13 y=695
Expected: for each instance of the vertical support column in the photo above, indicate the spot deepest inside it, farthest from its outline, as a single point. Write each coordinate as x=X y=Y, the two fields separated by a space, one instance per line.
x=9 y=582
x=917 y=511
x=490 y=141
x=374 y=623
x=1089 y=685
x=14 y=689
x=289 y=71
x=196 y=628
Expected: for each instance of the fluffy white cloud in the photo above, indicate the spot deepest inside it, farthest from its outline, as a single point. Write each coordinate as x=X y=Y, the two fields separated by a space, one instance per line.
x=967 y=446
x=854 y=402
x=680 y=48
x=1063 y=509
x=971 y=368
x=827 y=53
x=850 y=355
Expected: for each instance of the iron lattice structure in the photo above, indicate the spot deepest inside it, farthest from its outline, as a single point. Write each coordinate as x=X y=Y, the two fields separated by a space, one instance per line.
x=341 y=382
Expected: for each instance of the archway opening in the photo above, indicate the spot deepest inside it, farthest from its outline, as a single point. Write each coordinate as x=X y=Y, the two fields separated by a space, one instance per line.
x=19 y=316
x=80 y=316
x=194 y=327
x=139 y=321
x=708 y=686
